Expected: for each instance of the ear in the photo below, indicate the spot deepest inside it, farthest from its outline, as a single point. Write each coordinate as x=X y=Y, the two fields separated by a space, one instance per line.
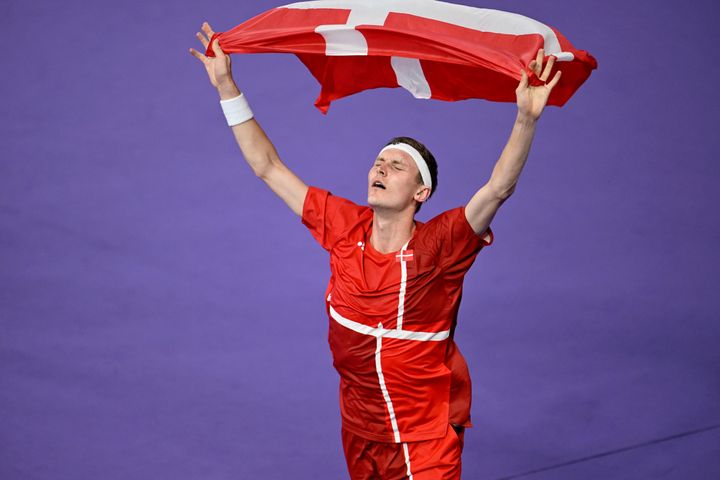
x=422 y=194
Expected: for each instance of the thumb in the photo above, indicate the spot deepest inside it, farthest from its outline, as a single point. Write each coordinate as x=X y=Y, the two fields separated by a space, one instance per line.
x=523 y=81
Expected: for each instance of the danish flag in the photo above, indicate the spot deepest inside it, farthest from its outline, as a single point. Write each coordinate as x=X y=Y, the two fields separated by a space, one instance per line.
x=433 y=49
x=404 y=256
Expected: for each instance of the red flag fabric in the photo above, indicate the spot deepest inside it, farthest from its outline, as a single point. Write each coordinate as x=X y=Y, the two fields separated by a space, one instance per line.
x=433 y=49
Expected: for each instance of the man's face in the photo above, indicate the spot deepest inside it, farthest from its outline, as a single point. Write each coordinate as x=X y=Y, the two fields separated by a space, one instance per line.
x=393 y=181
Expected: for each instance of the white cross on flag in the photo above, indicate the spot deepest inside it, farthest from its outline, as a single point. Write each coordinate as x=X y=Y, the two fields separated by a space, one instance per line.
x=432 y=49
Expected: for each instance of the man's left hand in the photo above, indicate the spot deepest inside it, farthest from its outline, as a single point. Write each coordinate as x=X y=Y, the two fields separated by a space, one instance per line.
x=532 y=100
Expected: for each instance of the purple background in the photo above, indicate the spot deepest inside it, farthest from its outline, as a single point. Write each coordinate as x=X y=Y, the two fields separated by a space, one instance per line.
x=161 y=312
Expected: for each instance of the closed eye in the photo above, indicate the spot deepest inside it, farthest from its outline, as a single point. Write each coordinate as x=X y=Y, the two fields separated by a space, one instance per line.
x=394 y=164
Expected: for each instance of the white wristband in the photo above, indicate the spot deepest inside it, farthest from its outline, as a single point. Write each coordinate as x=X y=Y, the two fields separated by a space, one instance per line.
x=236 y=110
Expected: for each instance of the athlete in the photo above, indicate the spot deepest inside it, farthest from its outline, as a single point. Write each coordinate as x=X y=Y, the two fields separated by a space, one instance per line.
x=396 y=283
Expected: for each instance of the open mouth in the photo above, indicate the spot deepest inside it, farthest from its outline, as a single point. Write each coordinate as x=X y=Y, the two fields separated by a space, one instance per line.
x=378 y=185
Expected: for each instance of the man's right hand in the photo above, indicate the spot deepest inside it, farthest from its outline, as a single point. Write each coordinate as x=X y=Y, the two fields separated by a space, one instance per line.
x=219 y=67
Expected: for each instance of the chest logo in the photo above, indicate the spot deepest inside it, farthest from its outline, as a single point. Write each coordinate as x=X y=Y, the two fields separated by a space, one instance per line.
x=404 y=256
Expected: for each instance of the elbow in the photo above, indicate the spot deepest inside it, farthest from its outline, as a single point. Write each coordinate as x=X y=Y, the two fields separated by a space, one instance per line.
x=505 y=194
x=503 y=191
x=261 y=173
x=264 y=167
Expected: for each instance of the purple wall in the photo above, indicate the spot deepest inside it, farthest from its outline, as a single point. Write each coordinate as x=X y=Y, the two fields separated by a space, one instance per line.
x=161 y=312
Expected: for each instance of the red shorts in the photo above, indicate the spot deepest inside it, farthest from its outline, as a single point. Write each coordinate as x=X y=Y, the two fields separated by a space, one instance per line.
x=437 y=459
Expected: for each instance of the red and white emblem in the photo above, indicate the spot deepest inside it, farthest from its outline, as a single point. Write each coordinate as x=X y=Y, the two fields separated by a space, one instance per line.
x=404 y=256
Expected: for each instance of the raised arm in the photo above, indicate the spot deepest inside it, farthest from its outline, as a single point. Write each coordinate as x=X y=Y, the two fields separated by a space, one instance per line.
x=256 y=147
x=531 y=101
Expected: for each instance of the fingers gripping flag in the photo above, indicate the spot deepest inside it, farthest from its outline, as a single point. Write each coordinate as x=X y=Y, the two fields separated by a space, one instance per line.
x=432 y=49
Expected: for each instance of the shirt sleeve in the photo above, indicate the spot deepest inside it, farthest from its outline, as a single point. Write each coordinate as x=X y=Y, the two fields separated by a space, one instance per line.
x=328 y=217
x=457 y=242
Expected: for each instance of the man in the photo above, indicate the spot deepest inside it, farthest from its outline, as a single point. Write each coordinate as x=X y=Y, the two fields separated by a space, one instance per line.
x=396 y=283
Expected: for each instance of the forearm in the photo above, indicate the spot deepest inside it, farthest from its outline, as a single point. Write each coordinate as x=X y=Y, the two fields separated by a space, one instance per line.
x=507 y=170
x=260 y=154
x=256 y=147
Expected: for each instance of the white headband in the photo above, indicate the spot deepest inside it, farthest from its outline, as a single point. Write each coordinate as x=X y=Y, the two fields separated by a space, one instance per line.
x=419 y=161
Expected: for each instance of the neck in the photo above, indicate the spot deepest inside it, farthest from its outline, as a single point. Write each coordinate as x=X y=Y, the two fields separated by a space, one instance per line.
x=391 y=230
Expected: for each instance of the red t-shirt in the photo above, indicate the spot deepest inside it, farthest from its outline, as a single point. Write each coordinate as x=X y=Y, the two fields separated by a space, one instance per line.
x=392 y=318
